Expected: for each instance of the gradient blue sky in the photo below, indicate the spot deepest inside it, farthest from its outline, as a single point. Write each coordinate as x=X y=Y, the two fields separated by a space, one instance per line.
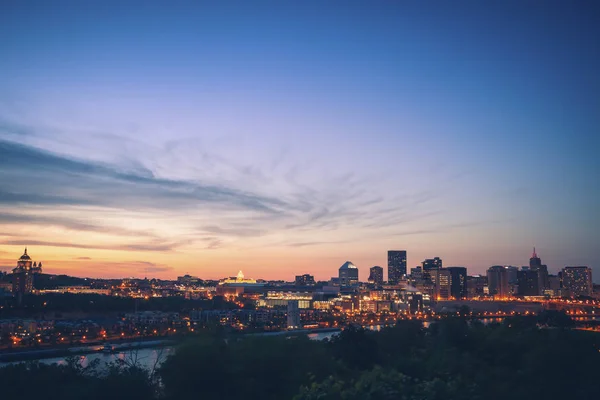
x=287 y=137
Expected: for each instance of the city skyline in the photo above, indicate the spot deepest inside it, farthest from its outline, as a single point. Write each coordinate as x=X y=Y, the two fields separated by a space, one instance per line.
x=283 y=140
x=334 y=274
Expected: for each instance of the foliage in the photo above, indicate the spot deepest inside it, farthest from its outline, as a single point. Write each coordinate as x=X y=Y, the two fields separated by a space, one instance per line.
x=453 y=359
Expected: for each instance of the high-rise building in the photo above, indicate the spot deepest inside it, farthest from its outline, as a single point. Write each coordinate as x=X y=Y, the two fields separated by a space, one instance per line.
x=305 y=280
x=528 y=283
x=23 y=275
x=376 y=275
x=497 y=277
x=553 y=288
x=535 y=264
x=577 y=281
x=293 y=314
x=429 y=265
x=396 y=266
x=458 y=282
x=476 y=285
x=432 y=263
x=442 y=282
x=348 y=274
x=416 y=273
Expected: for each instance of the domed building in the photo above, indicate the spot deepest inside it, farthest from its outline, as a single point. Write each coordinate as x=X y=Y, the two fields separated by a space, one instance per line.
x=23 y=274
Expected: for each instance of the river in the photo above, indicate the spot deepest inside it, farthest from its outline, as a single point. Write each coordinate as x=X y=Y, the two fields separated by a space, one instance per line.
x=146 y=357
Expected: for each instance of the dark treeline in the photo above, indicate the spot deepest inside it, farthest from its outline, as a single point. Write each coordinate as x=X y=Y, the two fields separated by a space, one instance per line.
x=521 y=358
x=49 y=304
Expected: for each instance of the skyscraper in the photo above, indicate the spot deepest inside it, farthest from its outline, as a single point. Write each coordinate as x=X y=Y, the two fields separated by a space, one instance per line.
x=577 y=281
x=293 y=315
x=528 y=283
x=498 y=281
x=535 y=264
x=442 y=283
x=458 y=282
x=348 y=274
x=432 y=263
x=396 y=266
x=429 y=265
x=376 y=275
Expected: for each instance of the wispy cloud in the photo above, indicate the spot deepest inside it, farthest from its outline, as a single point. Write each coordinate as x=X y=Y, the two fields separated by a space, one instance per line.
x=50 y=179
x=69 y=223
x=150 y=246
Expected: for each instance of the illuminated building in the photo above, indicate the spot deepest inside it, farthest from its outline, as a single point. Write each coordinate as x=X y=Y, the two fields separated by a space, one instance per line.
x=415 y=302
x=553 y=288
x=432 y=263
x=305 y=280
x=497 y=277
x=396 y=266
x=293 y=315
x=577 y=281
x=348 y=274
x=376 y=275
x=429 y=265
x=458 y=282
x=278 y=299
x=23 y=275
x=476 y=285
x=416 y=273
x=441 y=279
x=188 y=280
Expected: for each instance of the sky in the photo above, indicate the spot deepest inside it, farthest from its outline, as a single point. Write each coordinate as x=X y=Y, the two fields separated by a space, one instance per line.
x=281 y=138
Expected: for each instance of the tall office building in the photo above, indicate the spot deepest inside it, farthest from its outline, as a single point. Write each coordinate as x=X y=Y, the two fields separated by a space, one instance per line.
x=528 y=283
x=497 y=277
x=535 y=264
x=396 y=266
x=293 y=314
x=476 y=285
x=432 y=263
x=458 y=282
x=577 y=281
x=376 y=275
x=429 y=265
x=442 y=283
x=416 y=273
x=348 y=274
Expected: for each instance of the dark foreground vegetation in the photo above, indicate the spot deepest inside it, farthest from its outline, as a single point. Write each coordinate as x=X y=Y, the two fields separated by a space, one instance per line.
x=521 y=358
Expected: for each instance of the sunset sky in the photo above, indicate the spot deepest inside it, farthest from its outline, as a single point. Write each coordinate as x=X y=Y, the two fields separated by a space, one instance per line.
x=145 y=139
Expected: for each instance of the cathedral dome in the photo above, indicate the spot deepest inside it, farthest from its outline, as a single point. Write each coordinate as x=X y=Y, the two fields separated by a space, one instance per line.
x=25 y=256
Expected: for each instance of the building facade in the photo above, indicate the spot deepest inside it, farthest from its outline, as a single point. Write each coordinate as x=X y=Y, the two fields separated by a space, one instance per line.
x=528 y=283
x=497 y=278
x=396 y=266
x=23 y=275
x=305 y=280
x=577 y=281
x=348 y=274
x=376 y=275
x=442 y=281
x=458 y=282
x=535 y=264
